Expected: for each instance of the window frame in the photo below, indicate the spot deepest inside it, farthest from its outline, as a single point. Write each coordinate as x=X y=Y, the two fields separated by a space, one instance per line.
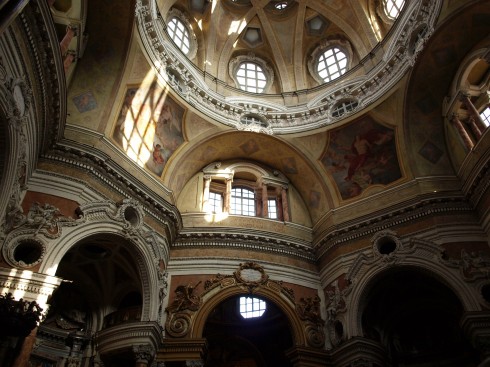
x=182 y=18
x=314 y=60
x=248 y=199
x=394 y=4
x=485 y=115
x=212 y=202
x=259 y=303
x=237 y=62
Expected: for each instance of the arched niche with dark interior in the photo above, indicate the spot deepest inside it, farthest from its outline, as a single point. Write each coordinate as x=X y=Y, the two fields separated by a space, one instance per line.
x=101 y=289
x=249 y=342
x=417 y=319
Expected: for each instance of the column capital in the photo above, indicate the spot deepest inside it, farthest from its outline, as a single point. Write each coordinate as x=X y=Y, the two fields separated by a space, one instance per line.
x=143 y=353
x=476 y=326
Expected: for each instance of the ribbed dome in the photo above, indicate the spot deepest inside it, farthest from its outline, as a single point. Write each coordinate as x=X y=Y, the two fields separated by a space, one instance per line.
x=311 y=57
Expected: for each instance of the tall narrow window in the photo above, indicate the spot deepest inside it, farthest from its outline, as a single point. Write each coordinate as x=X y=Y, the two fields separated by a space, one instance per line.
x=332 y=64
x=272 y=208
x=485 y=116
x=179 y=34
x=251 y=77
x=242 y=201
x=251 y=307
x=215 y=202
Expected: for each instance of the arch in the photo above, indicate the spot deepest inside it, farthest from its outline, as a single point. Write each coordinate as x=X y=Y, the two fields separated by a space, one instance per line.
x=211 y=302
x=146 y=246
x=419 y=255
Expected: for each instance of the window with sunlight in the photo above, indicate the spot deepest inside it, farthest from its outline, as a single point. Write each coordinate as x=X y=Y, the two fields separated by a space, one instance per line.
x=332 y=64
x=393 y=8
x=215 y=202
x=242 y=201
x=251 y=307
x=251 y=77
x=179 y=34
x=272 y=208
x=485 y=116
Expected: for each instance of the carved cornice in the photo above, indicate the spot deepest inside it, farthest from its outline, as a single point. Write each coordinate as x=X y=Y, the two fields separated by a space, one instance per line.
x=246 y=241
x=125 y=336
x=368 y=226
x=121 y=182
x=366 y=86
x=42 y=41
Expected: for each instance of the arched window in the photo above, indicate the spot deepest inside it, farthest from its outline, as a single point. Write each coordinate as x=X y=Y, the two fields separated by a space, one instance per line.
x=251 y=77
x=179 y=33
x=392 y=8
x=242 y=201
x=252 y=307
x=332 y=64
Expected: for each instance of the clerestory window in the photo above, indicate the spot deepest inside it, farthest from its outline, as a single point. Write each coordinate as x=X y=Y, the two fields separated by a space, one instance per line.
x=331 y=64
x=215 y=202
x=393 y=8
x=242 y=201
x=179 y=33
x=251 y=77
x=485 y=116
x=272 y=208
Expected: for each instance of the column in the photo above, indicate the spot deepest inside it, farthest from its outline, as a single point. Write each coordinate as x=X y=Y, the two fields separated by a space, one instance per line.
x=462 y=132
x=143 y=353
x=258 y=202
x=265 y=198
x=205 y=199
x=70 y=56
x=65 y=42
x=227 y=198
x=285 y=204
x=473 y=112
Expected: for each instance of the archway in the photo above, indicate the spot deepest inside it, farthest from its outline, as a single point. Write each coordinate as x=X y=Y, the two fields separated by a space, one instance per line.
x=102 y=288
x=235 y=339
x=417 y=319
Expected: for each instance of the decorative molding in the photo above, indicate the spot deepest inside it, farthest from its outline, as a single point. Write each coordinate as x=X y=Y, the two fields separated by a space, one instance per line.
x=308 y=310
x=114 y=177
x=249 y=277
x=391 y=67
x=246 y=241
x=399 y=216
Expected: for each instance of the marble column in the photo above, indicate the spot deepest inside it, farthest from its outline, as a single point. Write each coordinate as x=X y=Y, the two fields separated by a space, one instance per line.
x=227 y=198
x=285 y=204
x=462 y=132
x=205 y=201
x=473 y=112
x=65 y=42
x=265 y=203
x=70 y=56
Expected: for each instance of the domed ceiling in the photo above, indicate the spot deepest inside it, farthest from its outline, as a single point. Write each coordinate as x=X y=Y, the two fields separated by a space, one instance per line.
x=285 y=38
